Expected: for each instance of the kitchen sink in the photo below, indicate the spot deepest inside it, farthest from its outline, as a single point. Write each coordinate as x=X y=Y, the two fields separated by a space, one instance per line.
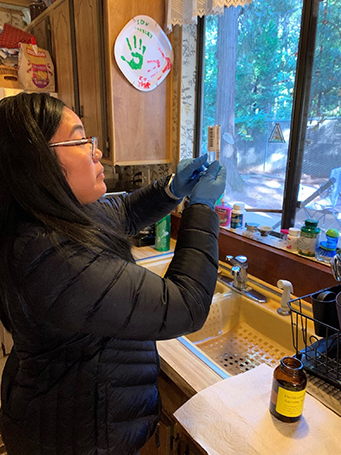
x=239 y=333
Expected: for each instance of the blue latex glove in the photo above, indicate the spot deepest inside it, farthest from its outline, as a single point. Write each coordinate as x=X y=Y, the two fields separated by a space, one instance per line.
x=187 y=175
x=210 y=186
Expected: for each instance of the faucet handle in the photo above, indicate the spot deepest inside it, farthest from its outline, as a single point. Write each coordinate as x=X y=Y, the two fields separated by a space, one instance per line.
x=242 y=261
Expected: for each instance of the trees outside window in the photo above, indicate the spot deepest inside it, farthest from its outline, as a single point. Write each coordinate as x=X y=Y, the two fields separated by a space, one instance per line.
x=251 y=65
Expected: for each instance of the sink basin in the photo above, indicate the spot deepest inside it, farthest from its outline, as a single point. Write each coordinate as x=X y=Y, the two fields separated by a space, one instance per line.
x=239 y=333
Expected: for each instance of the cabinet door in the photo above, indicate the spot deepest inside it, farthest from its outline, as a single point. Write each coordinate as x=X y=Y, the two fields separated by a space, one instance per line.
x=52 y=31
x=91 y=84
x=184 y=444
x=139 y=121
x=165 y=440
x=62 y=44
x=40 y=30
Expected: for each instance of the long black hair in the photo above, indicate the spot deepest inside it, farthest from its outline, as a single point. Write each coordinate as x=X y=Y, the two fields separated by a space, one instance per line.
x=33 y=186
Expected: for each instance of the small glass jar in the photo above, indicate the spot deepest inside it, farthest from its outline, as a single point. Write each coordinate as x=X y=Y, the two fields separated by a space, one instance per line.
x=288 y=390
x=251 y=231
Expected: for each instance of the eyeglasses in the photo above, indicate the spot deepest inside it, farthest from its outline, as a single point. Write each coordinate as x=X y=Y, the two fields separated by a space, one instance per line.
x=89 y=140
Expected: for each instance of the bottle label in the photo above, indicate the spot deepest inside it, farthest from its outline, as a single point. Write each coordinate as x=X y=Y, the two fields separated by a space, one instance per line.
x=307 y=245
x=224 y=215
x=162 y=234
x=236 y=220
x=292 y=243
x=289 y=403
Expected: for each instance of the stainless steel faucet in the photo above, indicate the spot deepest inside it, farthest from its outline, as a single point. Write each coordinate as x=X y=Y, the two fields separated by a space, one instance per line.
x=239 y=283
x=239 y=271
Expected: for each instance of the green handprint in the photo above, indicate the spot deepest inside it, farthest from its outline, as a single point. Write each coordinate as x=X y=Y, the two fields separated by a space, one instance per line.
x=135 y=65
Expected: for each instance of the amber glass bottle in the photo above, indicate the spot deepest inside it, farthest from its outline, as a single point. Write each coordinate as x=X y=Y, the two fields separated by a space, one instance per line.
x=288 y=390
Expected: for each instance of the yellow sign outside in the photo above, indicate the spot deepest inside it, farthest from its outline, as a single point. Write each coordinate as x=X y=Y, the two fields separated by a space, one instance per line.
x=276 y=134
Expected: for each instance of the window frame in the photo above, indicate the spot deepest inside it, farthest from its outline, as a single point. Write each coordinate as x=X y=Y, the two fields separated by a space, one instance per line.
x=301 y=98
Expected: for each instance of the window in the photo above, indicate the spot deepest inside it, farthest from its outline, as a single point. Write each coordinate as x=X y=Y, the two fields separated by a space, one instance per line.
x=271 y=73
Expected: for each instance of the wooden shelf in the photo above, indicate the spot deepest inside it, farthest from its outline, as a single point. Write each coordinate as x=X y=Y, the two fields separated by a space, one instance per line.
x=25 y=3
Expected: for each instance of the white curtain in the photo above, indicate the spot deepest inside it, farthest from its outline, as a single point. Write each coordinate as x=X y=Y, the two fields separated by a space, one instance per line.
x=181 y=12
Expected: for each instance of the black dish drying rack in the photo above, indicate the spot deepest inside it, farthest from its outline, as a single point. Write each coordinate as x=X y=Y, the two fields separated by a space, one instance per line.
x=321 y=356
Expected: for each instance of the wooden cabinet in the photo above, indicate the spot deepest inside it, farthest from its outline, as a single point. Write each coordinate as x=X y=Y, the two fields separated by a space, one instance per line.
x=90 y=69
x=133 y=126
x=139 y=122
x=61 y=37
x=52 y=30
x=184 y=444
x=172 y=438
x=161 y=443
x=69 y=30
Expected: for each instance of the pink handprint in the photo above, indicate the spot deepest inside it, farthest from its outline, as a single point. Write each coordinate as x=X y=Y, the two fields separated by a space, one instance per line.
x=143 y=82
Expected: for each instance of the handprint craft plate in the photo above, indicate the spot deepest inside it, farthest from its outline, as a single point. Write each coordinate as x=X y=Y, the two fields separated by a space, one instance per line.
x=143 y=53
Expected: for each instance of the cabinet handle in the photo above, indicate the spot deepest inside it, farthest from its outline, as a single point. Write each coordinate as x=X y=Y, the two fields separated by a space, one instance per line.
x=175 y=444
x=157 y=436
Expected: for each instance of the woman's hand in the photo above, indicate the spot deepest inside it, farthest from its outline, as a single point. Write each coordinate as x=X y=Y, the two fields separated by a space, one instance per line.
x=210 y=186
x=187 y=175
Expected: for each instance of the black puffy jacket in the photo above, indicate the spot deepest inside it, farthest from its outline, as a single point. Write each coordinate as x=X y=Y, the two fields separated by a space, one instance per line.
x=82 y=376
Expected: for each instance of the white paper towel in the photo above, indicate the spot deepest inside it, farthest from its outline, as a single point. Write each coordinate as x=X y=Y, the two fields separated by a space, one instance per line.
x=233 y=417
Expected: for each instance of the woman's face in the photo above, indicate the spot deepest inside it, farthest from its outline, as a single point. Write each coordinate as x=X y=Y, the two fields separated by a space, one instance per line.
x=84 y=174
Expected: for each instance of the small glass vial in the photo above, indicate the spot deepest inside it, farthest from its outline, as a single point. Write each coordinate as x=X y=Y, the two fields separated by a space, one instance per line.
x=292 y=239
x=288 y=390
x=237 y=215
x=251 y=231
x=309 y=238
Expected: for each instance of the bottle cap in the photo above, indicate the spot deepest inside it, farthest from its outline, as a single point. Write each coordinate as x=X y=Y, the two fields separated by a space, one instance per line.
x=332 y=233
x=239 y=206
x=311 y=222
x=294 y=231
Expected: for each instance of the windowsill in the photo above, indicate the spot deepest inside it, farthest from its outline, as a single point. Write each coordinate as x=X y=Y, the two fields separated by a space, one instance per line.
x=270 y=263
x=273 y=242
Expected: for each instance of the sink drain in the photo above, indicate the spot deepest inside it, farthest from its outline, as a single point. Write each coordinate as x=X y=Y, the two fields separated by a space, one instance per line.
x=242 y=349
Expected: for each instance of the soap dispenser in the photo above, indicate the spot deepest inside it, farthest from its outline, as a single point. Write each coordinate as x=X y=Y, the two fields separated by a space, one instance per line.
x=327 y=249
x=223 y=209
x=283 y=310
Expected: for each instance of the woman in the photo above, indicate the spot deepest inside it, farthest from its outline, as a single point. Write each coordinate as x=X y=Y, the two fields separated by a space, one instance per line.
x=82 y=376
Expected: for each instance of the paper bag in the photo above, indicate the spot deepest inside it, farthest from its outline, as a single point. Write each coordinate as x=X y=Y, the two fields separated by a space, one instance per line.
x=35 y=69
